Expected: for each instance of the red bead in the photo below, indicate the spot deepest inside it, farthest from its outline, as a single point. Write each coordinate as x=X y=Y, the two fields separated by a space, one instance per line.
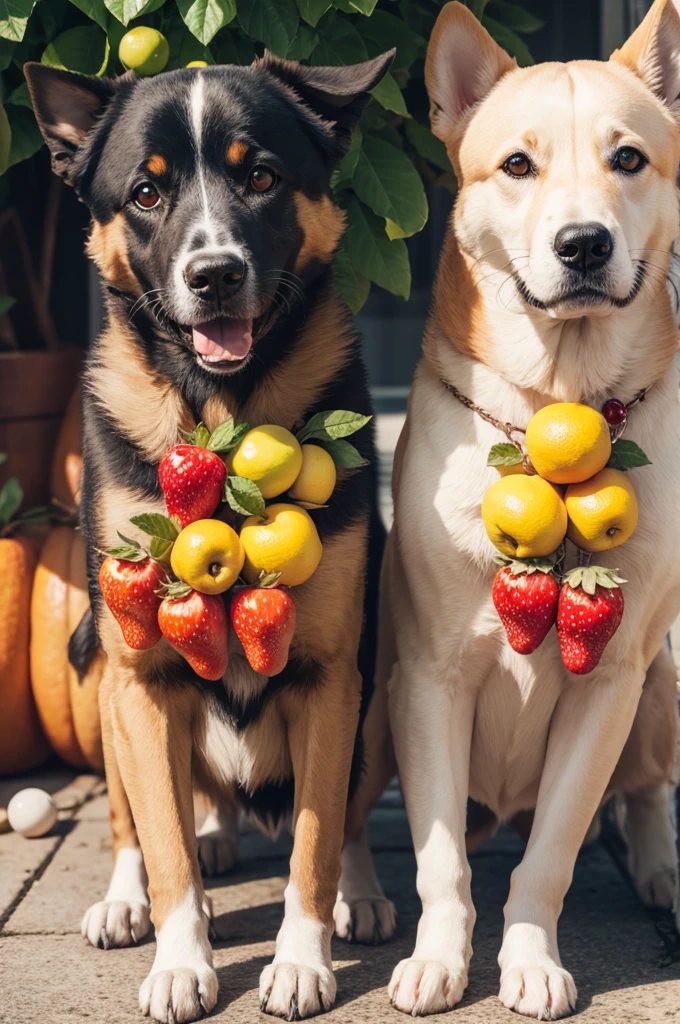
x=614 y=412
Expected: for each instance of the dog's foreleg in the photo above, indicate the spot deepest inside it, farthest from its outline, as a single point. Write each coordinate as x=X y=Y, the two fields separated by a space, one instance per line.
x=122 y=917
x=432 y=730
x=321 y=733
x=152 y=729
x=589 y=728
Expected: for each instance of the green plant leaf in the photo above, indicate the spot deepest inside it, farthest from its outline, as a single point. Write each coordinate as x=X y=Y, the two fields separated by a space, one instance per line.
x=342 y=176
x=6 y=303
x=222 y=436
x=26 y=137
x=627 y=455
x=371 y=252
x=339 y=42
x=233 y=47
x=84 y=49
x=353 y=285
x=11 y=496
x=365 y=7
x=160 y=548
x=332 y=424
x=6 y=53
x=21 y=97
x=14 y=15
x=384 y=30
x=5 y=140
x=510 y=42
x=157 y=525
x=513 y=16
x=3 y=458
x=504 y=454
x=94 y=9
x=244 y=496
x=204 y=18
x=303 y=44
x=125 y=10
x=273 y=22
x=389 y=95
x=386 y=181
x=312 y=10
x=344 y=454
x=427 y=145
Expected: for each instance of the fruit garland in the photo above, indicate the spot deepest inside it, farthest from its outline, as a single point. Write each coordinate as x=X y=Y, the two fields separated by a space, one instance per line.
x=568 y=481
x=195 y=559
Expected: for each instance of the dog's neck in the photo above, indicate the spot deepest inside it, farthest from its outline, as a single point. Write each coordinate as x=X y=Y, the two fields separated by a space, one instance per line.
x=580 y=359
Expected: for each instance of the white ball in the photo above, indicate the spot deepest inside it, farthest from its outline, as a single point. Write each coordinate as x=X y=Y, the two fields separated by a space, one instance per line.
x=31 y=812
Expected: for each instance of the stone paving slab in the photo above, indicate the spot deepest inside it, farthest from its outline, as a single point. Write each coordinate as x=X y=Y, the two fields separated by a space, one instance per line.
x=48 y=974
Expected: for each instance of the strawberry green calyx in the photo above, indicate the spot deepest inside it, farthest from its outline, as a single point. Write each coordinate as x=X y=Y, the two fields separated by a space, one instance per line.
x=199 y=436
x=527 y=566
x=175 y=589
x=129 y=551
x=589 y=577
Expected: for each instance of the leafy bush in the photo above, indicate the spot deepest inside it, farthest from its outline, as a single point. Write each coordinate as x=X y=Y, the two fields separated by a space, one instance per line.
x=380 y=180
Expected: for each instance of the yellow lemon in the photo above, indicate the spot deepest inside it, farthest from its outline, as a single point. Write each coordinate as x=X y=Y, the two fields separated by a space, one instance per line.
x=145 y=50
x=316 y=480
x=197 y=64
x=568 y=442
x=208 y=555
x=516 y=470
x=603 y=511
x=270 y=456
x=284 y=541
x=524 y=516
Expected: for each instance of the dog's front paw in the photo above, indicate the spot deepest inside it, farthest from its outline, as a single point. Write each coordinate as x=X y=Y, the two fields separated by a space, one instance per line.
x=179 y=995
x=372 y=920
x=115 y=923
x=546 y=993
x=420 y=987
x=295 y=992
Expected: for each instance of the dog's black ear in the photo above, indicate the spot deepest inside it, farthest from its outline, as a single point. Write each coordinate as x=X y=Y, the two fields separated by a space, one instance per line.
x=462 y=65
x=66 y=107
x=653 y=52
x=337 y=94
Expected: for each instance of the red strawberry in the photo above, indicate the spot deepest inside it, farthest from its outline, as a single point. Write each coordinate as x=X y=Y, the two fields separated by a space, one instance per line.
x=589 y=613
x=264 y=621
x=129 y=586
x=192 y=480
x=196 y=625
x=525 y=597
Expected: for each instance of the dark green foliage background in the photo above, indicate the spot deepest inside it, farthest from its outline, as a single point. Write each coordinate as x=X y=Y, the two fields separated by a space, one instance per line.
x=380 y=180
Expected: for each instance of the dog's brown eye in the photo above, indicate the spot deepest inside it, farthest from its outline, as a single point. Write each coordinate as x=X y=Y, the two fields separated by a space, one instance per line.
x=518 y=165
x=146 y=196
x=629 y=160
x=262 y=179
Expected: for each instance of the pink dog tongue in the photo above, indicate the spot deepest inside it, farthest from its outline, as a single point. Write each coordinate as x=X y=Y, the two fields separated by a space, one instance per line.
x=223 y=339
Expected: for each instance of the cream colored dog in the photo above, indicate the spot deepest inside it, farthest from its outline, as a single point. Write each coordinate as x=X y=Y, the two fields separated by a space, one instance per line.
x=551 y=288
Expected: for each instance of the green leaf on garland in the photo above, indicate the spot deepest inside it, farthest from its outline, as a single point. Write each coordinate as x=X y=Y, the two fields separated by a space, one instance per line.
x=332 y=425
x=627 y=455
x=504 y=454
x=157 y=525
x=244 y=496
x=344 y=454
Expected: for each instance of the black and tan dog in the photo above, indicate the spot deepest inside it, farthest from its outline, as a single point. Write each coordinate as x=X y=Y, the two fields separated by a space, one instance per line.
x=213 y=230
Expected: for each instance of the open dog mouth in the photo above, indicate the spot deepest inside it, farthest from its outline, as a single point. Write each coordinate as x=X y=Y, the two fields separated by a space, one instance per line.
x=584 y=296
x=223 y=343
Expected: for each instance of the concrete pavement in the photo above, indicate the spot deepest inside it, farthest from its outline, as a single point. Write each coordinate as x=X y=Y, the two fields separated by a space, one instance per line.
x=626 y=961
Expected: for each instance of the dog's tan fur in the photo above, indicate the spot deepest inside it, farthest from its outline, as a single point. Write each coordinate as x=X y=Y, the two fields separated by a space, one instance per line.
x=469 y=716
x=322 y=224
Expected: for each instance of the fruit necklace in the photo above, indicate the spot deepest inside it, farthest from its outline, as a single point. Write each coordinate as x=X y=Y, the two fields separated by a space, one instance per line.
x=567 y=480
x=196 y=558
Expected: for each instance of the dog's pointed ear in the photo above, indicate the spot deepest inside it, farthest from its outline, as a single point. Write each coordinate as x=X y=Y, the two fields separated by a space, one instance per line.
x=66 y=107
x=653 y=51
x=463 y=64
x=336 y=94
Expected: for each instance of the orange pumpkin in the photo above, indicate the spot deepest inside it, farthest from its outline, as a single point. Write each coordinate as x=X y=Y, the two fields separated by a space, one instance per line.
x=67 y=461
x=68 y=707
x=22 y=743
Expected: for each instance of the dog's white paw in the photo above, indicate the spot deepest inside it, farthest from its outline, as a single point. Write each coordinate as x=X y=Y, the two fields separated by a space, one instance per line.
x=217 y=852
x=115 y=923
x=660 y=890
x=179 y=995
x=420 y=987
x=372 y=920
x=546 y=993
x=295 y=992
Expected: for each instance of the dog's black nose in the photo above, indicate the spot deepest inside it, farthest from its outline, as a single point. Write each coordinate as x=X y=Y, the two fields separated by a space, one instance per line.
x=584 y=247
x=215 y=276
